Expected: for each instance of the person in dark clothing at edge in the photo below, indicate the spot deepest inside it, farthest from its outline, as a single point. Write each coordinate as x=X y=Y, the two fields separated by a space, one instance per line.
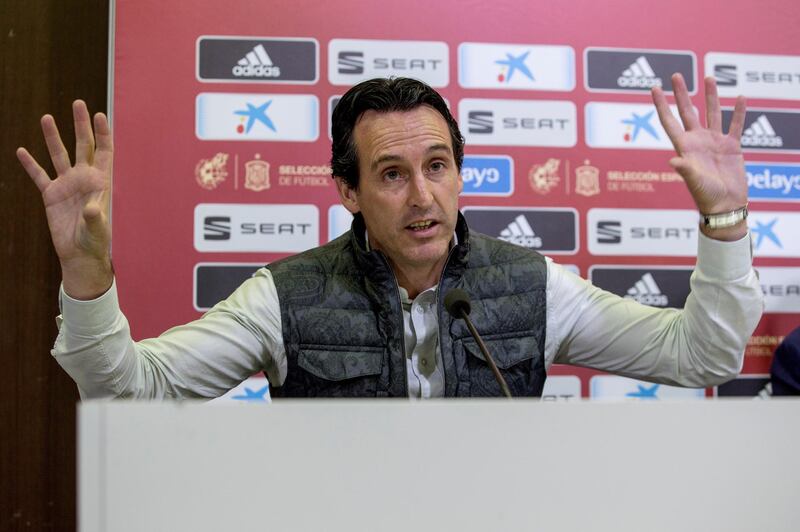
x=363 y=315
x=784 y=371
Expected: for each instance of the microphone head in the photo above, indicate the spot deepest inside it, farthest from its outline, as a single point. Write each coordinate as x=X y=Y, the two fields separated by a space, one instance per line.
x=457 y=301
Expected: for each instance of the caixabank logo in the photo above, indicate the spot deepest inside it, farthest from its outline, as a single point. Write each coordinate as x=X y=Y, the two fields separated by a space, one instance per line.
x=221 y=227
x=215 y=281
x=257 y=59
x=649 y=232
x=773 y=130
x=627 y=70
x=552 y=231
x=775 y=77
x=625 y=125
x=270 y=117
x=774 y=233
x=354 y=60
x=487 y=175
x=518 y=122
x=516 y=66
x=773 y=181
x=254 y=390
x=655 y=286
x=624 y=388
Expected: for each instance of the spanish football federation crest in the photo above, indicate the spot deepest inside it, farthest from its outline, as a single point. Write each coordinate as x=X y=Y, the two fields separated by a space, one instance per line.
x=256 y=174
x=543 y=177
x=587 y=180
x=209 y=173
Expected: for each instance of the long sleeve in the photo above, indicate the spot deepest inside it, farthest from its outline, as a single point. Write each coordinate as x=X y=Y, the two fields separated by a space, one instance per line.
x=701 y=345
x=204 y=358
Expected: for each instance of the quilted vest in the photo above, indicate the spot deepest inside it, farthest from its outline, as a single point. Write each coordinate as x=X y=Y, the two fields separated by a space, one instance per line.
x=343 y=321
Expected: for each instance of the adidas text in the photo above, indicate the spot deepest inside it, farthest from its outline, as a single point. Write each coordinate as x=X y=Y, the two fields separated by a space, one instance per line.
x=256 y=71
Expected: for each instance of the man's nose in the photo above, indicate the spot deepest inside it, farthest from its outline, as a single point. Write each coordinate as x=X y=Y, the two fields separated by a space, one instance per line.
x=420 y=194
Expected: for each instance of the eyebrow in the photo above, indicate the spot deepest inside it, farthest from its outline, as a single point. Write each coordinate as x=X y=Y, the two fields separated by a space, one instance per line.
x=391 y=158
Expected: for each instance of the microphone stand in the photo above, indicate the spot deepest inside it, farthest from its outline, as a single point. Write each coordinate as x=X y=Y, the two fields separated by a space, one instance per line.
x=486 y=355
x=457 y=302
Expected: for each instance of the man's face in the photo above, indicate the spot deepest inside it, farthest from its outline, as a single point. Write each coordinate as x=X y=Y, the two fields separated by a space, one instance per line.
x=408 y=187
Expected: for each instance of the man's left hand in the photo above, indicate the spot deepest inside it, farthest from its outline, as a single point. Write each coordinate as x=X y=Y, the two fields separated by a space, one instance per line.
x=710 y=162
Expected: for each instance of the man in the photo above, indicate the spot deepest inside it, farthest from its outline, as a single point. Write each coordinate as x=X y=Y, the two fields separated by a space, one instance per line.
x=363 y=315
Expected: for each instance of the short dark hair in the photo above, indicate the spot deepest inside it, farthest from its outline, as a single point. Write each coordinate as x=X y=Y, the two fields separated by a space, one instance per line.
x=384 y=96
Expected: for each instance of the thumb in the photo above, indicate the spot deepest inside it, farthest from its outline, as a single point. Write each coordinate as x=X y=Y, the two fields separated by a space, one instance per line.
x=684 y=169
x=95 y=218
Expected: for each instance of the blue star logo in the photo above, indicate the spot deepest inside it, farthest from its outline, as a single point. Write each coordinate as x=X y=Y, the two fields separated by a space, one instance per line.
x=766 y=231
x=644 y=392
x=640 y=122
x=253 y=396
x=256 y=114
x=514 y=64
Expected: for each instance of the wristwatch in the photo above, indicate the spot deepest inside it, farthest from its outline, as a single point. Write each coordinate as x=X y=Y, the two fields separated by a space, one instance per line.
x=724 y=219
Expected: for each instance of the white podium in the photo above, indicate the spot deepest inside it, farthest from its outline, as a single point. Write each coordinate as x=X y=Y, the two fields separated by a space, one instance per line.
x=439 y=465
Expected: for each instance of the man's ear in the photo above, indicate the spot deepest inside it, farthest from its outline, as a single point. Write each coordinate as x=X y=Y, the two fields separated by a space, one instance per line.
x=348 y=195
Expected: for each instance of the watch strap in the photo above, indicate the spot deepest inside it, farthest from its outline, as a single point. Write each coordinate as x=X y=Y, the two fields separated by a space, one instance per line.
x=724 y=219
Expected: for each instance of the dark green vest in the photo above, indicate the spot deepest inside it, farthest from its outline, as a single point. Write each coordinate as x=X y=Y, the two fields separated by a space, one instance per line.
x=343 y=321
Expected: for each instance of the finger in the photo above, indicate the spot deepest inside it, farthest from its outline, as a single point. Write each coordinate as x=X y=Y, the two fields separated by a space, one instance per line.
x=737 y=120
x=103 y=156
x=84 y=140
x=58 y=153
x=668 y=121
x=713 y=112
x=36 y=172
x=685 y=109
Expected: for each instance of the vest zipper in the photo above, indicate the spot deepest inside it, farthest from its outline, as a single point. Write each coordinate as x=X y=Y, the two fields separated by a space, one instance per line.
x=402 y=320
x=439 y=320
x=441 y=277
x=403 y=323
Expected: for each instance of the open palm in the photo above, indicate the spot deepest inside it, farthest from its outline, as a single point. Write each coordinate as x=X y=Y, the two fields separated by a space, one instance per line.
x=77 y=200
x=710 y=161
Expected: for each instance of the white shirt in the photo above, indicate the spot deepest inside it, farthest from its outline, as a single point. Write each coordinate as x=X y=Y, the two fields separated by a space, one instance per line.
x=700 y=345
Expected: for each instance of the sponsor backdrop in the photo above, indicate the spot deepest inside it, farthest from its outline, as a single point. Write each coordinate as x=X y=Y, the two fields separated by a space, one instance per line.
x=222 y=126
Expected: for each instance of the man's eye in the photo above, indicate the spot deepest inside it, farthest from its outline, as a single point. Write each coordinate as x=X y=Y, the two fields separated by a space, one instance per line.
x=437 y=166
x=392 y=175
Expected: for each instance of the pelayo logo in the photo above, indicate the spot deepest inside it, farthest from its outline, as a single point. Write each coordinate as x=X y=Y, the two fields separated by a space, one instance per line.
x=487 y=175
x=773 y=181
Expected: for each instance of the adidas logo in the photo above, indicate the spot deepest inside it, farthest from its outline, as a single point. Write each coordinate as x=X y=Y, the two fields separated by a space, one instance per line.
x=639 y=75
x=761 y=134
x=256 y=64
x=519 y=232
x=647 y=292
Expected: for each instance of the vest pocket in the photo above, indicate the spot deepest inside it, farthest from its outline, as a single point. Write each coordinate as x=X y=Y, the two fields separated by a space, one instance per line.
x=516 y=358
x=329 y=372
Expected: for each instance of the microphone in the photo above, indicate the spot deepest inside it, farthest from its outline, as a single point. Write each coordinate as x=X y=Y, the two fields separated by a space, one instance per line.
x=457 y=304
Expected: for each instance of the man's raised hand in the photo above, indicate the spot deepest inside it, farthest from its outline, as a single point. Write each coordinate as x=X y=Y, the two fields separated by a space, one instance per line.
x=710 y=162
x=77 y=201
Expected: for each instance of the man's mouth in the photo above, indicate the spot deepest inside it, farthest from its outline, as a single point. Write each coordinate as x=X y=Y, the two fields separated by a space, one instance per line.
x=421 y=225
